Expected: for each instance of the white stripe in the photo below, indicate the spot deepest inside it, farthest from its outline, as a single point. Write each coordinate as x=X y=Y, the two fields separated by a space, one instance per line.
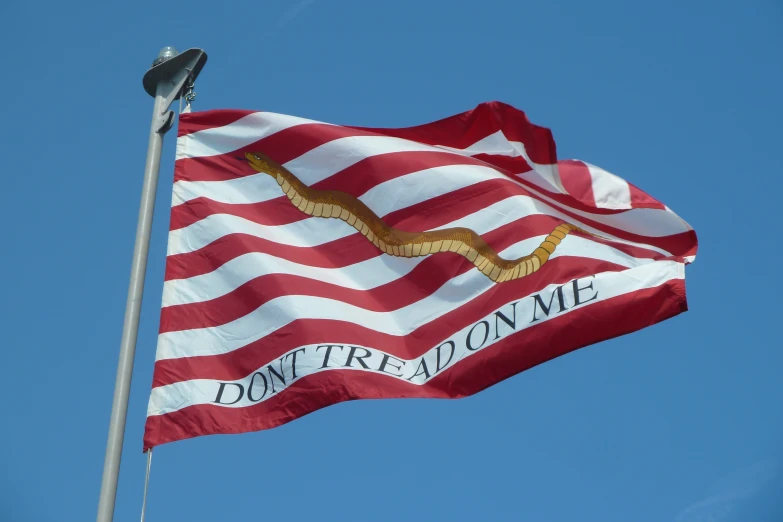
x=365 y=275
x=256 y=188
x=243 y=132
x=262 y=187
x=409 y=190
x=317 y=231
x=315 y=165
x=172 y=397
x=280 y=311
x=322 y=162
x=545 y=176
x=648 y=222
x=495 y=143
x=609 y=191
x=259 y=125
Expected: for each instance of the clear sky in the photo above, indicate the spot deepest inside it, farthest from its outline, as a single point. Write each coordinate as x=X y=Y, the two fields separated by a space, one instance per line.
x=681 y=422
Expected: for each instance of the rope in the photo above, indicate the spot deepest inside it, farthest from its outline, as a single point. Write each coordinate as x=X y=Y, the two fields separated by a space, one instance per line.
x=146 y=483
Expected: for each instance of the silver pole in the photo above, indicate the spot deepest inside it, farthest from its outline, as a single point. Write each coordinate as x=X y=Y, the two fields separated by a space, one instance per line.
x=168 y=75
x=130 y=328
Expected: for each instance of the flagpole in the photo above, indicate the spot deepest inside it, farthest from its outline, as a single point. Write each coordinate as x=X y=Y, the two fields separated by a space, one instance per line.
x=169 y=74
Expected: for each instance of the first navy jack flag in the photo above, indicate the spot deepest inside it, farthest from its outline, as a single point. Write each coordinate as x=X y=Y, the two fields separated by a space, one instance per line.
x=311 y=263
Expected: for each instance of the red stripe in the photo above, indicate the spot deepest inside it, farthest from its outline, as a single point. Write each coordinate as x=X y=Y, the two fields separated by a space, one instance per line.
x=640 y=199
x=351 y=249
x=510 y=356
x=355 y=180
x=212 y=256
x=243 y=361
x=295 y=141
x=427 y=277
x=198 y=121
x=425 y=215
x=581 y=185
x=282 y=146
x=462 y=130
x=577 y=181
x=354 y=248
x=679 y=244
x=273 y=212
x=512 y=166
x=457 y=131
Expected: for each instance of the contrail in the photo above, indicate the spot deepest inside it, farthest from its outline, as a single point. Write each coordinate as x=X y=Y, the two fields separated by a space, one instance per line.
x=292 y=13
x=732 y=492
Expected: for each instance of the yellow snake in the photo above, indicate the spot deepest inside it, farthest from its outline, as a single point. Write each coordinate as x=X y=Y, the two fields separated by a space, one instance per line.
x=462 y=241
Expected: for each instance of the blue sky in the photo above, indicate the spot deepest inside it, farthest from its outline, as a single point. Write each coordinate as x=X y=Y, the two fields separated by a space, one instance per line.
x=680 y=422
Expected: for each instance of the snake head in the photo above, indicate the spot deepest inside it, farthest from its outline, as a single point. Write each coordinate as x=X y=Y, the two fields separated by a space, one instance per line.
x=263 y=163
x=258 y=161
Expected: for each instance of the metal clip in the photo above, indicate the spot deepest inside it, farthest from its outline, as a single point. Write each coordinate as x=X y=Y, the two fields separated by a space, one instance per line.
x=190 y=94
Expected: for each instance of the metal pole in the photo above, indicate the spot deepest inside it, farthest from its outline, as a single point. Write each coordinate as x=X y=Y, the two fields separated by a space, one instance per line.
x=130 y=328
x=169 y=74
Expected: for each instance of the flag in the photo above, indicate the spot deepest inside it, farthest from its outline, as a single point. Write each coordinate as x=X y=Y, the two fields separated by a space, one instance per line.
x=310 y=263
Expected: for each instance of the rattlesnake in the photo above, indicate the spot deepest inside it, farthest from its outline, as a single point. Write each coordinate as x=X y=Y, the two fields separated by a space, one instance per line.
x=463 y=241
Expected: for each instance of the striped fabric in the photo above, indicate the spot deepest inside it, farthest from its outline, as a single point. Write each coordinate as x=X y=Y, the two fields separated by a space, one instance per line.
x=273 y=308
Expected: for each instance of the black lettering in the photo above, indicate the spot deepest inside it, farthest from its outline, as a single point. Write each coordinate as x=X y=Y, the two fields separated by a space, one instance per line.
x=273 y=372
x=470 y=335
x=328 y=352
x=293 y=362
x=538 y=301
x=511 y=322
x=577 y=302
x=423 y=367
x=385 y=362
x=352 y=355
x=438 y=367
x=250 y=387
x=223 y=387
